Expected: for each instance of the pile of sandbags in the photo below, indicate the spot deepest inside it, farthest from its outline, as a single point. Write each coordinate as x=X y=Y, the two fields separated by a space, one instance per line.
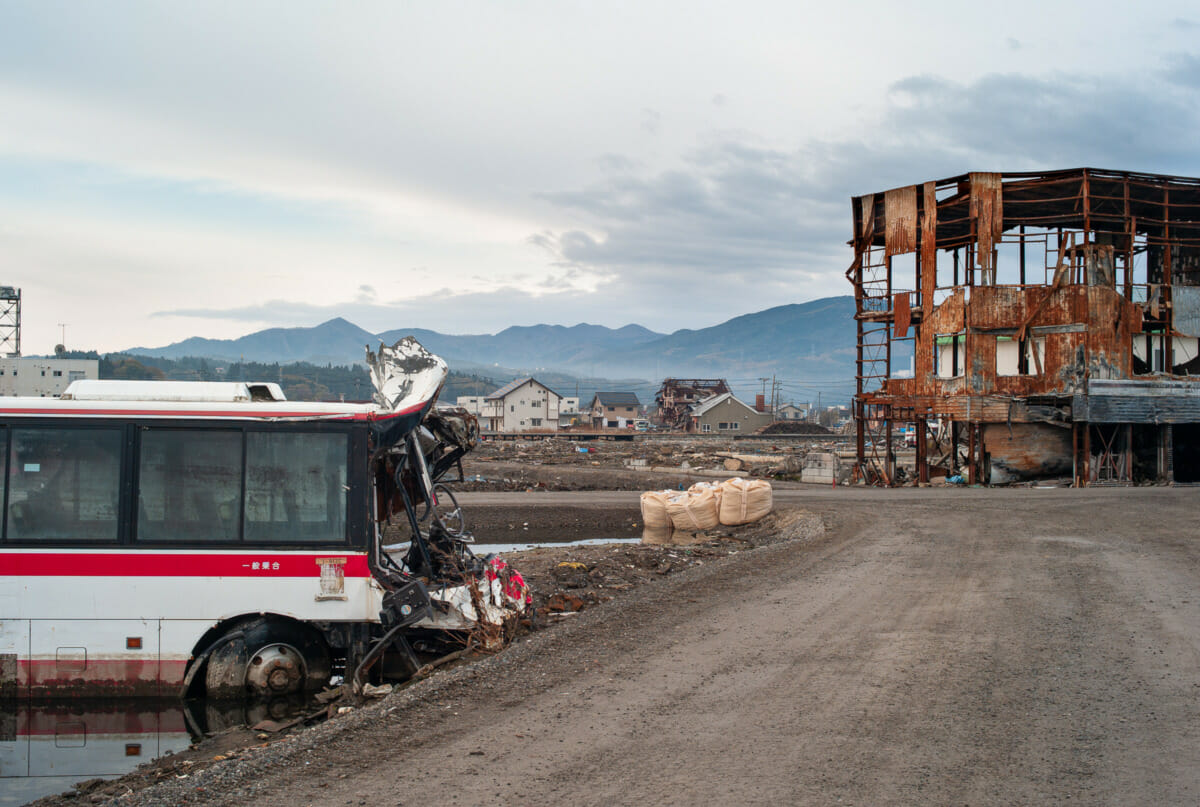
x=656 y=522
x=744 y=500
x=702 y=507
x=714 y=487
x=695 y=510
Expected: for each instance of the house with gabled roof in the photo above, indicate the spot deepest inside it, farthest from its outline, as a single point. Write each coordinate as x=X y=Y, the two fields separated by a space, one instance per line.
x=523 y=404
x=725 y=414
x=614 y=410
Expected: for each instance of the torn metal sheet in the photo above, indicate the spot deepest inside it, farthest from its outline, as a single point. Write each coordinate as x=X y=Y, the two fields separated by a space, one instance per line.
x=405 y=374
x=900 y=215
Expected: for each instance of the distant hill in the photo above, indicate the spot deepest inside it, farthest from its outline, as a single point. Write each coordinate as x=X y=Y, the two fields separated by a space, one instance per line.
x=816 y=338
x=530 y=345
x=812 y=342
x=334 y=342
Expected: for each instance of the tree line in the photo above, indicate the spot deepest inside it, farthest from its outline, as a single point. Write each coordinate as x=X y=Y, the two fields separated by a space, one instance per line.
x=300 y=381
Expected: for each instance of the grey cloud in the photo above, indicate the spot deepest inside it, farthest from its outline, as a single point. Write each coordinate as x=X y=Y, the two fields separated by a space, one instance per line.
x=651 y=121
x=737 y=212
x=1016 y=121
x=1184 y=70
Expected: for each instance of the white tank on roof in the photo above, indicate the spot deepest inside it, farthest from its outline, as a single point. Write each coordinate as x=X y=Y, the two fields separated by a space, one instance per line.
x=190 y=391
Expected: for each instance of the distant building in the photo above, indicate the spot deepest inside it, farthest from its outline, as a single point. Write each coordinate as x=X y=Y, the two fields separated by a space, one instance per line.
x=725 y=414
x=43 y=378
x=614 y=410
x=677 y=395
x=568 y=412
x=472 y=403
x=524 y=404
x=792 y=411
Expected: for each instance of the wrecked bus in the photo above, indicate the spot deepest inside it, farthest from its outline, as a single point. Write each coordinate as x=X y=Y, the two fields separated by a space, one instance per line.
x=191 y=538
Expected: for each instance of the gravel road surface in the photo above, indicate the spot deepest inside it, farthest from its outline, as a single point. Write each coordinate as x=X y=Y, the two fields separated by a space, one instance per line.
x=932 y=647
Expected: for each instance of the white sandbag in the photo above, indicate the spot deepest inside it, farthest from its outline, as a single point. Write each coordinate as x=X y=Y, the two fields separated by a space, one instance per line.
x=715 y=487
x=656 y=523
x=744 y=500
x=694 y=512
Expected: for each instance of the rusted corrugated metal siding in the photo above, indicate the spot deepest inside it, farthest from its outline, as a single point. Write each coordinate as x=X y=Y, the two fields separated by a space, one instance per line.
x=1138 y=402
x=900 y=215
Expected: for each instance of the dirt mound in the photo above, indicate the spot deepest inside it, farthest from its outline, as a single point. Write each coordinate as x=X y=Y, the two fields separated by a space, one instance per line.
x=795 y=427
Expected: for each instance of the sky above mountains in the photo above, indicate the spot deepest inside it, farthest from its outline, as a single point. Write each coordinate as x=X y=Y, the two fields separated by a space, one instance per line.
x=177 y=169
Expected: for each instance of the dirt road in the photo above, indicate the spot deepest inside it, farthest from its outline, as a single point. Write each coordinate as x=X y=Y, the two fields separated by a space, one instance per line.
x=933 y=647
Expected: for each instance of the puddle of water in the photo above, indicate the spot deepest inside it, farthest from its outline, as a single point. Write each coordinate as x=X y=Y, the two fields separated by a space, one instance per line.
x=483 y=549
x=398 y=550
x=45 y=748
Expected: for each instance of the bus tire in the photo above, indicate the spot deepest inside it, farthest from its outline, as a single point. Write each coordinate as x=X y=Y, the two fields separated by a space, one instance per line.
x=267 y=657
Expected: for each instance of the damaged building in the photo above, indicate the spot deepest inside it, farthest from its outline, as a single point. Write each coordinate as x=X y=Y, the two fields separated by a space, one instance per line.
x=1030 y=325
x=676 y=396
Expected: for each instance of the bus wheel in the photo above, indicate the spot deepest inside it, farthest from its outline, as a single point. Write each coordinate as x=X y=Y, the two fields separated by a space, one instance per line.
x=448 y=513
x=267 y=658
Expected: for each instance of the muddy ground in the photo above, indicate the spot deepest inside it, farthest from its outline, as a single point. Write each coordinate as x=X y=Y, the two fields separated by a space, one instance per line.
x=919 y=646
x=644 y=464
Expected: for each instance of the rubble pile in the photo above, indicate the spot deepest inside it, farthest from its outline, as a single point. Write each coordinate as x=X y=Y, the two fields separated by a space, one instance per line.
x=556 y=464
x=565 y=580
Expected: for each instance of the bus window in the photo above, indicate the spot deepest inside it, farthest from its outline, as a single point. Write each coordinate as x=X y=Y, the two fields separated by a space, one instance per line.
x=296 y=487
x=189 y=485
x=63 y=484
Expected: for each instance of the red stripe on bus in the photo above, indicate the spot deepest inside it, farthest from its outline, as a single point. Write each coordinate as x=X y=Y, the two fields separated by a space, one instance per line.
x=108 y=678
x=152 y=564
x=180 y=413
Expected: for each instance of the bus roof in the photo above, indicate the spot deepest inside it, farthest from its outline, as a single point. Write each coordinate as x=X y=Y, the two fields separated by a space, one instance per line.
x=192 y=391
x=183 y=399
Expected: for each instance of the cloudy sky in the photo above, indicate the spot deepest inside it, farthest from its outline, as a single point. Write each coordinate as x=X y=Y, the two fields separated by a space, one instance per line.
x=170 y=169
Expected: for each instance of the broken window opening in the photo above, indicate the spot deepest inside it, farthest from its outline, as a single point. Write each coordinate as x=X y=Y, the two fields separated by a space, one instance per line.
x=1185 y=452
x=1149 y=354
x=1018 y=358
x=950 y=356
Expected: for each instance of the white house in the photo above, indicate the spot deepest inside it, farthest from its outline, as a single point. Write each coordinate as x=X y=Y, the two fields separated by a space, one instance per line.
x=568 y=412
x=792 y=411
x=472 y=403
x=525 y=404
x=43 y=378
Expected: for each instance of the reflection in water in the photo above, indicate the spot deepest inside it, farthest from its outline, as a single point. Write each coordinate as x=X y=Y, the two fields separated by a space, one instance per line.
x=45 y=748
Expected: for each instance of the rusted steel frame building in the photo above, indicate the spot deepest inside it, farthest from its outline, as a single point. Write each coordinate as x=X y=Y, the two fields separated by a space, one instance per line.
x=1030 y=325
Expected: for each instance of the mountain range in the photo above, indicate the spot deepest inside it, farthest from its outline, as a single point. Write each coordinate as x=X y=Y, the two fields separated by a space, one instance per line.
x=810 y=342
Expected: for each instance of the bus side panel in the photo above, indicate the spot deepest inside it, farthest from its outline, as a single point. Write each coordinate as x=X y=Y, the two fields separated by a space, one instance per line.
x=14 y=647
x=111 y=657
x=178 y=637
